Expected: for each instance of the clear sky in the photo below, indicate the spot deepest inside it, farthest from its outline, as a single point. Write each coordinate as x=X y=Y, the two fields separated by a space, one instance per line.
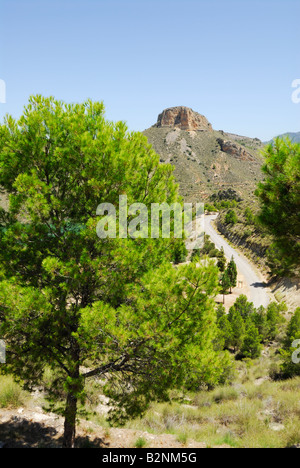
x=232 y=60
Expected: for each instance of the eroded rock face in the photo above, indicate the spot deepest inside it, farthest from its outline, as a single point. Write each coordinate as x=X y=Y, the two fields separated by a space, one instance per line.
x=235 y=150
x=183 y=118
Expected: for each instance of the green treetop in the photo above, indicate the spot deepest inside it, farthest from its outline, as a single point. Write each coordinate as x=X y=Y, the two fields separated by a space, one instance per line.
x=279 y=196
x=232 y=273
x=221 y=260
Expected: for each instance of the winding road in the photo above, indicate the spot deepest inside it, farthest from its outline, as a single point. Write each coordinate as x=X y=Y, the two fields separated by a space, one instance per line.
x=254 y=282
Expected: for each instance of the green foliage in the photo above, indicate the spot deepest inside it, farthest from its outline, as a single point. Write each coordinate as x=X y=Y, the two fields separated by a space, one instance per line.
x=70 y=301
x=179 y=252
x=227 y=195
x=231 y=217
x=221 y=311
x=237 y=329
x=243 y=307
x=210 y=208
x=226 y=204
x=252 y=342
x=229 y=275
x=11 y=394
x=279 y=197
x=245 y=328
x=274 y=319
x=225 y=282
x=289 y=367
x=226 y=199
x=141 y=442
x=225 y=332
x=208 y=249
x=260 y=320
x=232 y=273
x=250 y=218
x=247 y=233
x=221 y=260
x=293 y=329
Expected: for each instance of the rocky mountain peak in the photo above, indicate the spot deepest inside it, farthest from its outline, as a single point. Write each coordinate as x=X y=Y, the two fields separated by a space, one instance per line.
x=183 y=118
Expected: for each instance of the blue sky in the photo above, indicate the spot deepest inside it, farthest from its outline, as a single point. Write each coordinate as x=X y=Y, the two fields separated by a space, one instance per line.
x=233 y=61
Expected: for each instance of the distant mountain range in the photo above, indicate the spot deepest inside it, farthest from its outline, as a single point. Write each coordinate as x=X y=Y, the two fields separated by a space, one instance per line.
x=295 y=137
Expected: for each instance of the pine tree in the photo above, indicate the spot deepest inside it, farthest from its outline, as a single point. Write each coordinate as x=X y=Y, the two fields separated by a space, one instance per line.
x=232 y=273
x=225 y=332
x=221 y=311
x=221 y=260
x=85 y=307
x=280 y=203
x=252 y=342
x=243 y=307
x=225 y=284
x=274 y=319
x=259 y=318
x=238 y=329
x=231 y=217
x=293 y=329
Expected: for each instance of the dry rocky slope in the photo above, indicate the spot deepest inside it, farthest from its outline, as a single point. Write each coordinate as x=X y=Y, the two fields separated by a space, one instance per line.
x=205 y=160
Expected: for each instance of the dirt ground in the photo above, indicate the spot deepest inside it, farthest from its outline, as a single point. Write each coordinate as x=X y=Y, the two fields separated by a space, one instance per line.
x=32 y=428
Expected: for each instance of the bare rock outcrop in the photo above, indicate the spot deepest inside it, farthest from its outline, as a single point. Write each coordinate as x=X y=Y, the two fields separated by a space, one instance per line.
x=235 y=150
x=183 y=118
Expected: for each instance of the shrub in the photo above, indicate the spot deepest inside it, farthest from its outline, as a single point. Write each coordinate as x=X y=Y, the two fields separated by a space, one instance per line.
x=250 y=218
x=231 y=217
x=182 y=438
x=11 y=394
x=140 y=442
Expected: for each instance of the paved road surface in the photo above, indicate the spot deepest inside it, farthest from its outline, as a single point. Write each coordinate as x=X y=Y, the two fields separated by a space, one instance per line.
x=257 y=290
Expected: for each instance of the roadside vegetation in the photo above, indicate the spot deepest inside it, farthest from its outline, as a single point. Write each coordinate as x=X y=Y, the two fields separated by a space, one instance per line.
x=268 y=228
x=238 y=221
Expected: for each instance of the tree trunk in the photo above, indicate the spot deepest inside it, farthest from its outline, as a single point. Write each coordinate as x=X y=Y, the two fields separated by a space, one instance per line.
x=70 y=421
x=74 y=388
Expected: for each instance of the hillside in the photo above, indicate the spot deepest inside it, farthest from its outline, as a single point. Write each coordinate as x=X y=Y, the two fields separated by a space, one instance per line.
x=205 y=160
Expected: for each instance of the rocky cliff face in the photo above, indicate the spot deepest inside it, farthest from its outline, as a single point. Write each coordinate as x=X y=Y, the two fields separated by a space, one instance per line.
x=183 y=118
x=235 y=150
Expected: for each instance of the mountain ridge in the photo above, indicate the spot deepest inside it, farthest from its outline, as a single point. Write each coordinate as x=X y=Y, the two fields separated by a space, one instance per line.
x=294 y=136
